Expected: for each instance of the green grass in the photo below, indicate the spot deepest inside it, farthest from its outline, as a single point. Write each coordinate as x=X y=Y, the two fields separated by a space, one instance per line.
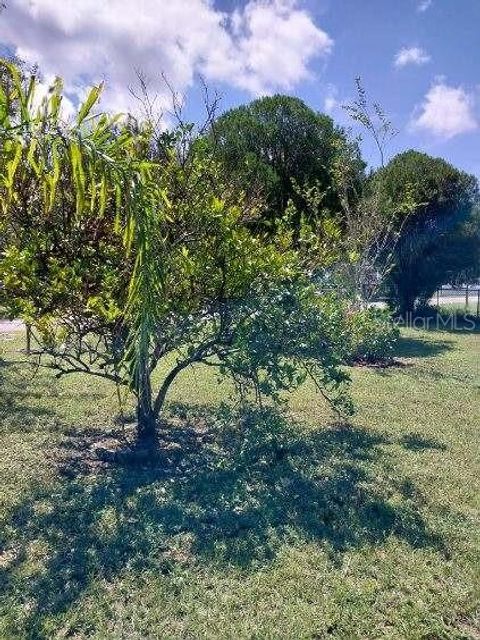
x=256 y=525
x=459 y=307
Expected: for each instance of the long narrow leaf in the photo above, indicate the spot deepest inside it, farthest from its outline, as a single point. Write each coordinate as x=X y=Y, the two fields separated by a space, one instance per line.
x=89 y=103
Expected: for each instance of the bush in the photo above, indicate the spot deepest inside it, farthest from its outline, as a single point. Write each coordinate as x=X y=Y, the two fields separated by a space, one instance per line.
x=370 y=336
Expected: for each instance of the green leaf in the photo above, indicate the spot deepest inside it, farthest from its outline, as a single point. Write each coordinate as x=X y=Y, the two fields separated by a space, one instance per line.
x=78 y=175
x=12 y=167
x=89 y=103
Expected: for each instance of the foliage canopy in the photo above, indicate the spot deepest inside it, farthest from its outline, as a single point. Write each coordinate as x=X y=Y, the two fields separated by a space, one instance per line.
x=278 y=146
x=439 y=238
x=123 y=256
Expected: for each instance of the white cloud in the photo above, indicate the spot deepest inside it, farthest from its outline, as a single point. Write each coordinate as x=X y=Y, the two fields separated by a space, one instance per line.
x=424 y=5
x=42 y=90
x=411 y=55
x=446 y=112
x=331 y=102
x=266 y=45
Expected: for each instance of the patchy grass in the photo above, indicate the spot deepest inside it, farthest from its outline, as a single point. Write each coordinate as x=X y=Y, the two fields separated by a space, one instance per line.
x=257 y=525
x=446 y=306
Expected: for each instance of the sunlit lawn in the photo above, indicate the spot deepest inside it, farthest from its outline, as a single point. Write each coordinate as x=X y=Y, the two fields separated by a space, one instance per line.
x=254 y=526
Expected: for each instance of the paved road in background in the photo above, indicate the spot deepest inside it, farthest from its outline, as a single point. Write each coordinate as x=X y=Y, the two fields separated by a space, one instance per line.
x=446 y=300
x=10 y=326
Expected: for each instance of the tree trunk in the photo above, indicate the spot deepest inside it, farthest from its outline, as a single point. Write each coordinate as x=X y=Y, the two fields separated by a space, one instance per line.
x=406 y=305
x=162 y=393
x=146 y=427
x=146 y=418
x=148 y=412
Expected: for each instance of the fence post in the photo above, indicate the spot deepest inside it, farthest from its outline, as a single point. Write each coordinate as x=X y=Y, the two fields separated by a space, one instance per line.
x=29 y=338
x=466 y=299
x=478 y=303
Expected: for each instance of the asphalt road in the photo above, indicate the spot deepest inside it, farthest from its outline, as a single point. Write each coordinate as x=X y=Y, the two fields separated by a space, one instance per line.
x=10 y=326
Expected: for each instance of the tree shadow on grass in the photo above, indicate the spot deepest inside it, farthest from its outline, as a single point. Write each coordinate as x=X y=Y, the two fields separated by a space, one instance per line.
x=231 y=490
x=416 y=347
x=417 y=442
x=18 y=409
x=445 y=320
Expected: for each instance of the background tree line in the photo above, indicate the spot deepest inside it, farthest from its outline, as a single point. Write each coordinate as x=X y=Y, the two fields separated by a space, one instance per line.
x=425 y=208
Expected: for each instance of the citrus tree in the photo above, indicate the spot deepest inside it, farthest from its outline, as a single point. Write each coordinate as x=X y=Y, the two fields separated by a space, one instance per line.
x=124 y=254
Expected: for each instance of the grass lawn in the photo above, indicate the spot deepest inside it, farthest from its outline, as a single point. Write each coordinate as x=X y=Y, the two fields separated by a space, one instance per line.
x=447 y=307
x=257 y=526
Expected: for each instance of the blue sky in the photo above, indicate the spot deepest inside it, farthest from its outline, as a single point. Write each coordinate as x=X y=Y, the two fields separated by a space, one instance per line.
x=418 y=58
x=369 y=34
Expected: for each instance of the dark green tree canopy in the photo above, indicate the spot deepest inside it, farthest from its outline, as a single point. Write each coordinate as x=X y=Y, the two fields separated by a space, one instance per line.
x=438 y=239
x=276 y=144
x=439 y=189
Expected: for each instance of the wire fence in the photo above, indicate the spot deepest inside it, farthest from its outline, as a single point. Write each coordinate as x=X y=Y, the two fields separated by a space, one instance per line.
x=465 y=299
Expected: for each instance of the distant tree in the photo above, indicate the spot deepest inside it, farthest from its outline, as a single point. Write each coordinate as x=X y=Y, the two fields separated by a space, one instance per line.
x=437 y=239
x=367 y=232
x=464 y=272
x=373 y=119
x=278 y=146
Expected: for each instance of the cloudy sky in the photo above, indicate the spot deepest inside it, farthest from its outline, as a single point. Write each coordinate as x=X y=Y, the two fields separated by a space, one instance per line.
x=418 y=58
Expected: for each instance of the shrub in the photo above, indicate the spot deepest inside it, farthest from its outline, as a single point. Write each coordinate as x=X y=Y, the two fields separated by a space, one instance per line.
x=370 y=336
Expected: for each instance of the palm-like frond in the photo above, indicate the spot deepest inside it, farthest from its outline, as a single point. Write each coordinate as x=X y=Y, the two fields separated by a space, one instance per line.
x=100 y=156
